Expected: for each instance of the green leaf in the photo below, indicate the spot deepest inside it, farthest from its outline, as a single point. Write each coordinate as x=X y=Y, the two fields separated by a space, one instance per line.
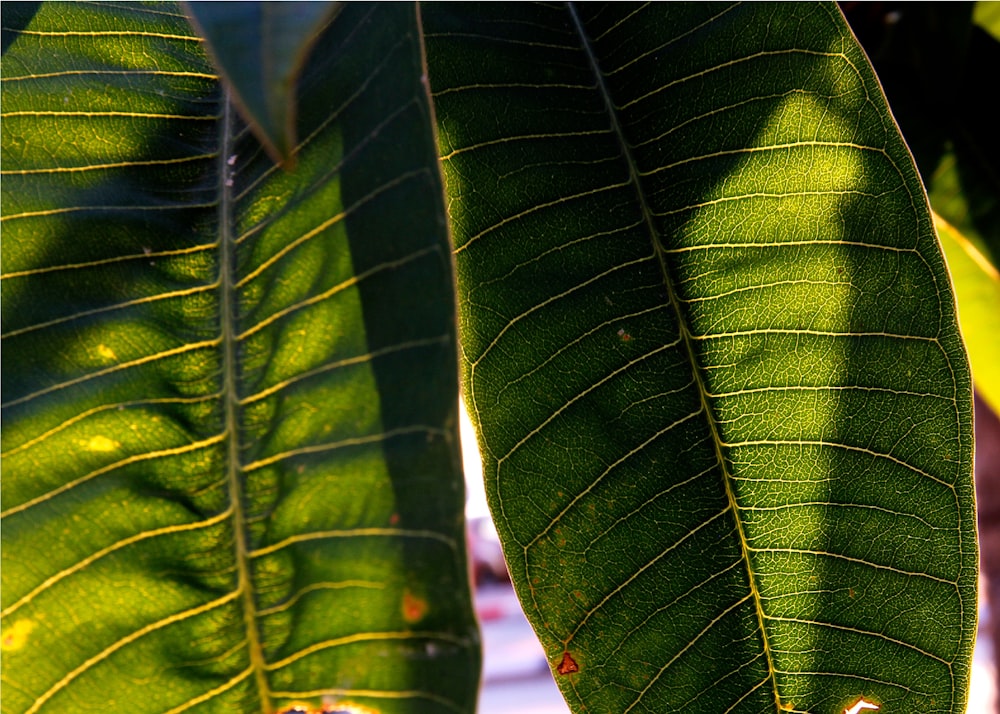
x=711 y=346
x=977 y=288
x=260 y=48
x=987 y=16
x=230 y=464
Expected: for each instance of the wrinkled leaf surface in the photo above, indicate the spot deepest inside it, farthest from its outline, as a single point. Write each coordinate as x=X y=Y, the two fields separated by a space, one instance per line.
x=230 y=472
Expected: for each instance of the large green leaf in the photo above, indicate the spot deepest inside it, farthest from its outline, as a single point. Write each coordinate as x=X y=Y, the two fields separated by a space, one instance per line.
x=711 y=346
x=230 y=473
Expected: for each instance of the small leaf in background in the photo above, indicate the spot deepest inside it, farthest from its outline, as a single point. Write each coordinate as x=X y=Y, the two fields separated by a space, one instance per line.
x=987 y=16
x=260 y=48
x=977 y=288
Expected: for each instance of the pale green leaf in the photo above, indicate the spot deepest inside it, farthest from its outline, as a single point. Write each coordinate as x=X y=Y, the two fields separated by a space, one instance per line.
x=977 y=288
x=987 y=16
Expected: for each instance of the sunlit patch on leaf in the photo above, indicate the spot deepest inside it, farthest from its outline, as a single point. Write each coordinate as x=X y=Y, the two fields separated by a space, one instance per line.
x=16 y=636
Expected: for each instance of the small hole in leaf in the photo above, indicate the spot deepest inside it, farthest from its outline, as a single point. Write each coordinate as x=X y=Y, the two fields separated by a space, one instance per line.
x=861 y=705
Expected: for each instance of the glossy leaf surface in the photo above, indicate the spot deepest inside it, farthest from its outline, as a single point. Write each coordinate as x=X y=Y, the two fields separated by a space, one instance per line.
x=230 y=470
x=711 y=346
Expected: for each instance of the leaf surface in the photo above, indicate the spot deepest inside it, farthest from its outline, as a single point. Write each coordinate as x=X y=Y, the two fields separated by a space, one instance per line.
x=230 y=468
x=711 y=347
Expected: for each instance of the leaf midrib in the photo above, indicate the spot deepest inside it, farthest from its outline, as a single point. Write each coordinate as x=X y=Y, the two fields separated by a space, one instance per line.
x=231 y=398
x=687 y=339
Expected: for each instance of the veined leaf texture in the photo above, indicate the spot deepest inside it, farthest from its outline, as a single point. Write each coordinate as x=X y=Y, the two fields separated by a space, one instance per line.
x=706 y=328
x=230 y=462
x=710 y=341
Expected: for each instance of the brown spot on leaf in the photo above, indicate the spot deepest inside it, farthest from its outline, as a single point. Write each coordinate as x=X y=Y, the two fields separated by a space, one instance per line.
x=414 y=608
x=568 y=664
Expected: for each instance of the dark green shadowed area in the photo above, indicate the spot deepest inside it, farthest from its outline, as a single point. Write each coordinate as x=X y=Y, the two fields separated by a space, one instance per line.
x=260 y=48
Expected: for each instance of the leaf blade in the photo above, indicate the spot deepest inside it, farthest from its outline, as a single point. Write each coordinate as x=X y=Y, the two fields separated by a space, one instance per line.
x=207 y=374
x=691 y=257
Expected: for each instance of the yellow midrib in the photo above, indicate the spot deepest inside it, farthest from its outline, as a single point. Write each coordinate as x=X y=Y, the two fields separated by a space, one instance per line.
x=688 y=340
x=231 y=398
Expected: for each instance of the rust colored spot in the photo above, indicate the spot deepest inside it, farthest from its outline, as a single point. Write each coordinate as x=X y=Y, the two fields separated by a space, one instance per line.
x=414 y=608
x=394 y=519
x=568 y=664
x=624 y=336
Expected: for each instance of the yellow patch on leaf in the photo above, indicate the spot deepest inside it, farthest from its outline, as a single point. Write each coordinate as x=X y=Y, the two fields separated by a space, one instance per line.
x=102 y=443
x=16 y=635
